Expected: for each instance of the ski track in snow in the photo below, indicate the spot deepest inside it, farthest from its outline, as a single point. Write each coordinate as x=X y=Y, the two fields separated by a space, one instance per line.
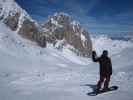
x=28 y=72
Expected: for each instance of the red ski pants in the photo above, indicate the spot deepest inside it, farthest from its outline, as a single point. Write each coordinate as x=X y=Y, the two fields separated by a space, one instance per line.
x=103 y=79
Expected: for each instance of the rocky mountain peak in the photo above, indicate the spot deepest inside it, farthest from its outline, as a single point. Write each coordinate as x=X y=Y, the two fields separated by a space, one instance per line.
x=61 y=26
x=61 y=20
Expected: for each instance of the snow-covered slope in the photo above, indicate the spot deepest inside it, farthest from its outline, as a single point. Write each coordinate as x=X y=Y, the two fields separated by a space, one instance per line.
x=13 y=44
x=17 y=19
x=10 y=8
x=30 y=72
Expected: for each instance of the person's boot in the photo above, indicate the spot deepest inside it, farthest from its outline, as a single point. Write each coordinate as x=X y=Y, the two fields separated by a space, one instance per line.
x=97 y=90
x=106 y=85
x=105 y=88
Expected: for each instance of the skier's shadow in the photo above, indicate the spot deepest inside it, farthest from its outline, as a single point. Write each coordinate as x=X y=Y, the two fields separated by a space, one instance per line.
x=92 y=86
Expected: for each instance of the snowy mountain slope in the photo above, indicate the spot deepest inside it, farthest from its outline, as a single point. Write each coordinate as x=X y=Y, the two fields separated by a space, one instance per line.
x=17 y=19
x=10 y=8
x=28 y=71
x=12 y=41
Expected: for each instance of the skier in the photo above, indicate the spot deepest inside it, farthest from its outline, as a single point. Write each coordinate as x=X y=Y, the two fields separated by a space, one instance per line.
x=105 y=69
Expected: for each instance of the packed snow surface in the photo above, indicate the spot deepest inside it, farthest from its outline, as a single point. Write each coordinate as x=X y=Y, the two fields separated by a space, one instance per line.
x=28 y=72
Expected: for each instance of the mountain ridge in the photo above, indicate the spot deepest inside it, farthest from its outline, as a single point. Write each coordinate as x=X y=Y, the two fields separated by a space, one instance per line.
x=59 y=27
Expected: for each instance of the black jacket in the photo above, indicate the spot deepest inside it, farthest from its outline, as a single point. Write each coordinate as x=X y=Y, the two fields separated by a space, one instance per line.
x=105 y=64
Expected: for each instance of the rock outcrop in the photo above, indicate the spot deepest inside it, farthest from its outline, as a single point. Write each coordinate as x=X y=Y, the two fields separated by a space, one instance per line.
x=62 y=27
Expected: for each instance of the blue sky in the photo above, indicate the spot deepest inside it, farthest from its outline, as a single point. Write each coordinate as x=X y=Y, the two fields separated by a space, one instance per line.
x=101 y=16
